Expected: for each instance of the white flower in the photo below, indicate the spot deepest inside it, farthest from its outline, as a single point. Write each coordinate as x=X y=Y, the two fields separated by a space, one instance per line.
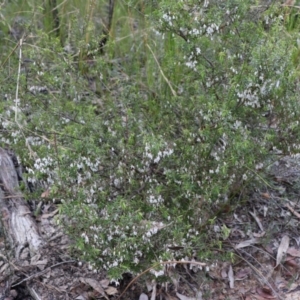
x=157 y=273
x=86 y=238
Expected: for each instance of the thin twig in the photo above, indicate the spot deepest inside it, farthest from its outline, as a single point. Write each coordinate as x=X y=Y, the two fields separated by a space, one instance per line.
x=263 y=280
x=18 y=81
x=10 y=54
x=17 y=100
x=162 y=73
x=42 y=272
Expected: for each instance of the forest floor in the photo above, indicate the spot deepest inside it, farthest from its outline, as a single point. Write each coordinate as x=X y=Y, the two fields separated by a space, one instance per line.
x=260 y=236
x=263 y=235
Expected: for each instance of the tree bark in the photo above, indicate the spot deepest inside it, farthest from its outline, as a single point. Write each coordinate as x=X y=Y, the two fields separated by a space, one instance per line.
x=18 y=225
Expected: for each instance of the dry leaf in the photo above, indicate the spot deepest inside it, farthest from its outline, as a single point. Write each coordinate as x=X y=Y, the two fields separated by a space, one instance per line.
x=81 y=297
x=41 y=264
x=257 y=235
x=231 y=277
x=104 y=283
x=46 y=216
x=111 y=290
x=266 y=195
x=243 y=274
x=293 y=211
x=95 y=285
x=199 y=295
x=265 y=208
x=292 y=296
x=293 y=252
x=182 y=297
x=282 y=249
x=269 y=249
x=292 y=287
x=266 y=293
x=143 y=297
x=253 y=214
x=149 y=285
x=223 y=273
x=247 y=243
x=290 y=261
x=45 y=194
x=169 y=297
x=175 y=280
x=289 y=2
x=153 y=295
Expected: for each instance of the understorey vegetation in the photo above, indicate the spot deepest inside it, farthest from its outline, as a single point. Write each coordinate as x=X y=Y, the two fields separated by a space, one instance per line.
x=144 y=142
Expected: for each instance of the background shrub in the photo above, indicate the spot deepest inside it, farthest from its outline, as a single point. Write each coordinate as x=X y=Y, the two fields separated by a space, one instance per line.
x=144 y=144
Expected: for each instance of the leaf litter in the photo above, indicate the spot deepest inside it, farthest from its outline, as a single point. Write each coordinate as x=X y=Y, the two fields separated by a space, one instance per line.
x=266 y=247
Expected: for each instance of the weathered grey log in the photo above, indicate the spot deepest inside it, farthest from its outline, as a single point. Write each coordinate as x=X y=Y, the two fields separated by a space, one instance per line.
x=18 y=225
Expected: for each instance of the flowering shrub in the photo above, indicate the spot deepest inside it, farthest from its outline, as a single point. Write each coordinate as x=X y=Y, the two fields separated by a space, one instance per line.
x=142 y=167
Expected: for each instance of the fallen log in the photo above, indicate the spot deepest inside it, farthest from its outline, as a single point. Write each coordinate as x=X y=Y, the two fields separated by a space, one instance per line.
x=17 y=222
